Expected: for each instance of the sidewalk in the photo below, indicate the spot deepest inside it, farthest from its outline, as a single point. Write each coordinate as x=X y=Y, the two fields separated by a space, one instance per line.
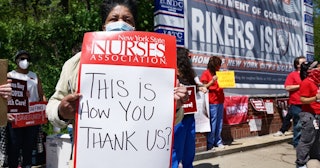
x=238 y=145
x=244 y=144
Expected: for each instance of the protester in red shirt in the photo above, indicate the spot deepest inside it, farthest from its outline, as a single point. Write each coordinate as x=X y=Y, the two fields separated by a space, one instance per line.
x=216 y=100
x=292 y=85
x=309 y=118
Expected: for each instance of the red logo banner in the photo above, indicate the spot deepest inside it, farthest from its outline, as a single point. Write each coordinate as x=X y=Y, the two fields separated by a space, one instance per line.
x=235 y=110
x=35 y=116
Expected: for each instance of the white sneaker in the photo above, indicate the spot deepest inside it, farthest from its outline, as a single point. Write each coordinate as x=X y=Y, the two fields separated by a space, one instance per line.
x=277 y=134
x=221 y=146
x=180 y=165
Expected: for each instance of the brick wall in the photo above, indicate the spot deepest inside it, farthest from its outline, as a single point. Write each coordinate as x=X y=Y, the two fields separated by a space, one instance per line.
x=271 y=123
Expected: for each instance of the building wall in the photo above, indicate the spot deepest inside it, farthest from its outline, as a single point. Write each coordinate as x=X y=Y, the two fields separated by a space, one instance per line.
x=271 y=123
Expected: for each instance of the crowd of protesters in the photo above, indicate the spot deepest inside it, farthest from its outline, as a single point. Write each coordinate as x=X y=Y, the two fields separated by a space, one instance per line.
x=302 y=84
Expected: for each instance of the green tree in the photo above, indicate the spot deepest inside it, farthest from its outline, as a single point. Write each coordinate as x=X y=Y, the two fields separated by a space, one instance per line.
x=52 y=31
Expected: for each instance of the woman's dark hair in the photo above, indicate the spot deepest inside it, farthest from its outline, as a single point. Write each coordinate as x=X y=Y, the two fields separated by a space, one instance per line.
x=213 y=63
x=108 y=5
x=296 y=61
x=186 y=73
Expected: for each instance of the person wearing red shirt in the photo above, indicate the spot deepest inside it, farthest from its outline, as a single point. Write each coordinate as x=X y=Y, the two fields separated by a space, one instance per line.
x=216 y=100
x=309 y=118
x=292 y=85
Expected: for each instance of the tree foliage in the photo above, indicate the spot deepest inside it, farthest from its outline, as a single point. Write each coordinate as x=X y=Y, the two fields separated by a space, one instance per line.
x=52 y=31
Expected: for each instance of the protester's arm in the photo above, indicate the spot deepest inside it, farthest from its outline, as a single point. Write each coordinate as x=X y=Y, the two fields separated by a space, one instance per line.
x=292 y=83
x=180 y=94
x=205 y=79
x=292 y=87
x=54 y=102
x=56 y=110
x=307 y=95
x=10 y=117
x=308 y=100
x=214 y=78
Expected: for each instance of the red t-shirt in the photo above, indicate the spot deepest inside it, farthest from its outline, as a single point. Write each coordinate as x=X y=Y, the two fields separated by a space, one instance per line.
x=293 y=79
x=309 y=89
x=216 y=94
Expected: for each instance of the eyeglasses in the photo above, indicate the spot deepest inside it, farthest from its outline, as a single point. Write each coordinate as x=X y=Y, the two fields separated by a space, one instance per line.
x=24 y=59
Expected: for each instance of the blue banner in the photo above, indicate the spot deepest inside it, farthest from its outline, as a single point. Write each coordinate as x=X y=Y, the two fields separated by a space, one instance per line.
x=258 y=39
x=169 y=19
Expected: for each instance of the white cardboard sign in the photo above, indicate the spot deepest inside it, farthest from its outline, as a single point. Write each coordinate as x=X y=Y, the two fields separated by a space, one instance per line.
x=125 y=116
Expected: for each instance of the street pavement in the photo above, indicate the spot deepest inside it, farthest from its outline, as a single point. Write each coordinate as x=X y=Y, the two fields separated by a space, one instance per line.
x=264 y=151
x=255 y=152
x=275 y=156
x=244 y=144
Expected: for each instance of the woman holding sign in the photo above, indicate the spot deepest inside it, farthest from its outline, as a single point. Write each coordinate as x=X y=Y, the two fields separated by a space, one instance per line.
x=62 y=105
x=216 y=100
x=24 y=138
x=117 y=15
x=184 y=132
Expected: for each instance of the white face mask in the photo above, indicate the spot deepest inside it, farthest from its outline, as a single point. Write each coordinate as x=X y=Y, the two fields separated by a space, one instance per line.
x=119 y=26
x=23 y=64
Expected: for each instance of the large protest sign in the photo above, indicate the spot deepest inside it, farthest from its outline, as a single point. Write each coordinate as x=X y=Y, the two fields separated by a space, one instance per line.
x=252 y=37
x=257 y=39
x=25 y=113
x=126 y=113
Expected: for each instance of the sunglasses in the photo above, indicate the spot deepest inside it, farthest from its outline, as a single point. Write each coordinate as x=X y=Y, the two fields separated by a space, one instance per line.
x=24 y=59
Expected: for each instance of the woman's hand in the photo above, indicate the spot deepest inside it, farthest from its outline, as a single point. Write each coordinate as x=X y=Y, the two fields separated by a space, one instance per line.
x=6 y=90
x=214 y=78
x=180 y=94
x=203 y=89
x=10 y=117
x=68 y=105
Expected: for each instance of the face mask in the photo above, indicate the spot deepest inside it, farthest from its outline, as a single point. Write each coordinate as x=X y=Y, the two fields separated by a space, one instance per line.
x=23 y=64
x=119 y=26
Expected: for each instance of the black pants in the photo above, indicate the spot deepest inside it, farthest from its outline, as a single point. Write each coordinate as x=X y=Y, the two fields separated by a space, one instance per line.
x=308 y=146
x=24 y=139
x=286 y=123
